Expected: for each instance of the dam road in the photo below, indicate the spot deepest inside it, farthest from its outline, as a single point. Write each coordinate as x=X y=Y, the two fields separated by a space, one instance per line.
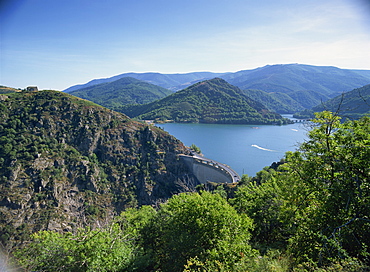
x=207 y=170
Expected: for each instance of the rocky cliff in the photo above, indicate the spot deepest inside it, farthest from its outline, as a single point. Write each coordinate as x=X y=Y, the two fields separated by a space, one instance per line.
x=67 y=163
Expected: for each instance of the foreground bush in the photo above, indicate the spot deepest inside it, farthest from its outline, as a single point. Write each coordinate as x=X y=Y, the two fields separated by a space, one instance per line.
x=202 y=226
x=88 y=250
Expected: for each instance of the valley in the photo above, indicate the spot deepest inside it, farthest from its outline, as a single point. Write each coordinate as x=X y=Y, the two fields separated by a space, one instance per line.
x=86 y=184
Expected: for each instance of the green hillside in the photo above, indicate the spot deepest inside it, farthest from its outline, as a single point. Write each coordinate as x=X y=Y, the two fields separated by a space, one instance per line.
x=122 y=92
x=211 y=101
x=308 y=99
x=276 y=102
x=67 y=163
x=286 y=103
x=353 y=104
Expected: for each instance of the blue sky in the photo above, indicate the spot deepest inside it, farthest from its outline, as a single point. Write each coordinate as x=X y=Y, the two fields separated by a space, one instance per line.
x=55 y=44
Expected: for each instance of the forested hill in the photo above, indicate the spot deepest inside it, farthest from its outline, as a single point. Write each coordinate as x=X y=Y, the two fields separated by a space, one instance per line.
x=67 y=163
x=121 y=92
x=210 y=101
x=277 y=102
x=353 y=104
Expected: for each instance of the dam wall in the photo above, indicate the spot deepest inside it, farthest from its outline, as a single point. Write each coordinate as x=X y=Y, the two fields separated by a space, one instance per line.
x=207 y=170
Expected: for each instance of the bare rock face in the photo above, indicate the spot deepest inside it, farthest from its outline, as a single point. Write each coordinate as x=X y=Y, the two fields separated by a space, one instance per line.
x=67 y=163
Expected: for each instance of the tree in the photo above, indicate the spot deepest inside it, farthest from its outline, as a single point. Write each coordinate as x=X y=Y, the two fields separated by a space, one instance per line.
x=87 y=250
x=328 y=191
x=317 y=203
x=202 y=226
x=262 y=203
x=195 y=148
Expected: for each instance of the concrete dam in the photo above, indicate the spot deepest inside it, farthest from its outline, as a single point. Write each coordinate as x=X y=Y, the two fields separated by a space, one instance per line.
x=206 y=170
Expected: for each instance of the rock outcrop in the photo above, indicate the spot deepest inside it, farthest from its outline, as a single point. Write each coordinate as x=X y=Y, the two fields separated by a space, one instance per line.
x=67 y=163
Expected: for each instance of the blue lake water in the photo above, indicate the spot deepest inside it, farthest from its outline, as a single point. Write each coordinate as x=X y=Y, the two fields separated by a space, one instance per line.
x=246 y=148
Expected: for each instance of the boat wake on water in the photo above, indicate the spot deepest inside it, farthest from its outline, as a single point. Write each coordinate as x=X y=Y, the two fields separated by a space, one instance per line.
x=256 y=146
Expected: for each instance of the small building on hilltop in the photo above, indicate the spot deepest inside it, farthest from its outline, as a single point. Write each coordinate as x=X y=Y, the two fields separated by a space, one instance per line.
x=32 y=89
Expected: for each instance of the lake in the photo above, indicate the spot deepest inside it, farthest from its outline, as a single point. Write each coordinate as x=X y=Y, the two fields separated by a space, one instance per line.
x=245 y=148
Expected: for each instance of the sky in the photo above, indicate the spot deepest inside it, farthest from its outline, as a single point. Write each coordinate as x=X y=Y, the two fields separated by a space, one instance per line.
x=56 y=44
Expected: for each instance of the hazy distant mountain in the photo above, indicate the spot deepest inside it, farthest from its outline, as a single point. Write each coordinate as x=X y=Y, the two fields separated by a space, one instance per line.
x=353 y=104
x=307 y=85
x=210 y=101
x=289 y=78
x=284 y=78
x=121 y=92
x=172 y=82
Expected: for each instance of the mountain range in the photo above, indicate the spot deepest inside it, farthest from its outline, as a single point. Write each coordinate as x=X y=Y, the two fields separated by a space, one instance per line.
x=285 y=88
x=290 y=78
x=172 y=82
x=284 y=78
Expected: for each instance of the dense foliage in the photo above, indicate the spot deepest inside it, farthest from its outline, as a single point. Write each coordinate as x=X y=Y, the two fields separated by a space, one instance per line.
x=331 y=186
x=105 y=249
x=316 y=205
x=193 y=230
x=211 y=101
x=124 y=91
x=310 y=212
x=202 y=226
